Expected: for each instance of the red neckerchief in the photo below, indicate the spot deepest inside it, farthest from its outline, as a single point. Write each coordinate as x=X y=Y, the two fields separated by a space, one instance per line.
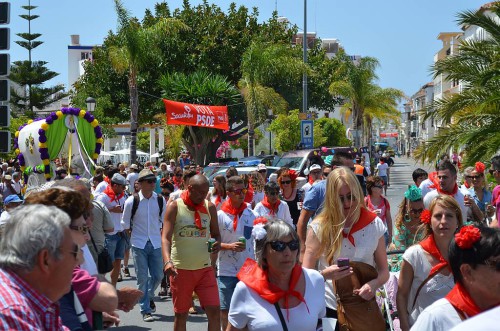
x=111 y=194
x=258 y=280
x=365 y=218
x=218 y=199
x=107 y=180
x=429 y=245
x=273 y=208
x=311 y=180
x=197 y=208
x=461 y=300
x=435 y=185
x=249 y=194
x=227 y=207
x=177 y=182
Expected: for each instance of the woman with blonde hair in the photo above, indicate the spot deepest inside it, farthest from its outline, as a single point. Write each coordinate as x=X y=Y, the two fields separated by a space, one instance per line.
x=346 y=242
x=425 y=275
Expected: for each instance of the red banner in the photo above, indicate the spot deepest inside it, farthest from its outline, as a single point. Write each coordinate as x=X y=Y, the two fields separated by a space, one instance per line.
x=181 y=113
x=388 y=135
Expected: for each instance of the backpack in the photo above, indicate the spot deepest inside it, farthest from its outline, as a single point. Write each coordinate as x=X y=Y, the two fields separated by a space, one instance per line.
x=135 y=205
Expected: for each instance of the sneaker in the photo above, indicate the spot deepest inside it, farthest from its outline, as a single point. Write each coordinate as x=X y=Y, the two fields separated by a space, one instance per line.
x=126 y=272
x=163 y=292
x=147 y=317
x=152 y=306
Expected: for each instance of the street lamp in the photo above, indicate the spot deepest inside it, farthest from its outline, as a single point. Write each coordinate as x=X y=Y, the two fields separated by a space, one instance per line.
x=90 y=104
x=270 y=118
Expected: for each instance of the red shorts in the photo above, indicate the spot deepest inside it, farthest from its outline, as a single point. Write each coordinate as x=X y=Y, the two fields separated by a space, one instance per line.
x=201 y=281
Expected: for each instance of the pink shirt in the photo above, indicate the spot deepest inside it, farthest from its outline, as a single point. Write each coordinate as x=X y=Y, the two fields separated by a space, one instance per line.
x=383 y=206
x=495 y=199
x=85 y=287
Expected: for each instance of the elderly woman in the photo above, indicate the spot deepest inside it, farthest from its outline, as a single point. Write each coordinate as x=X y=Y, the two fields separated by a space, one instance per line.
x=406 y=225
x=425 y=274
x=272 y=206
x=378 y=204
x=293 y=196
x=275 y=292
x=343 y=230
x=218 y=194
x=474 y=256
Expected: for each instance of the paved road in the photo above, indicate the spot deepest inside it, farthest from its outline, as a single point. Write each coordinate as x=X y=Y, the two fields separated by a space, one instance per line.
x=400 y=178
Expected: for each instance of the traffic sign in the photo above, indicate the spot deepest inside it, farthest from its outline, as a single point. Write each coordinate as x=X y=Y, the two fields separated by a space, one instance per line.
x=307 y=116
x=307 y=133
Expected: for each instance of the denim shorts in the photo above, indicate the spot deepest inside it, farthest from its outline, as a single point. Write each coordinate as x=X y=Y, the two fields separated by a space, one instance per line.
x=115 y=243
x=227 y=285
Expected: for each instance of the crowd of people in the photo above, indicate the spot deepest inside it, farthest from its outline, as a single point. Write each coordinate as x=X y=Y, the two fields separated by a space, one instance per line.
x=258 y=252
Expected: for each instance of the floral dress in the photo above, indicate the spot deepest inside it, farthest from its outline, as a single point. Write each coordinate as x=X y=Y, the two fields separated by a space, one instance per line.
x=402 y=238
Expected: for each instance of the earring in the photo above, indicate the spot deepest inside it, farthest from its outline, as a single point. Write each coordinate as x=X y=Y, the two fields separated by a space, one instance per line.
x=407 y=218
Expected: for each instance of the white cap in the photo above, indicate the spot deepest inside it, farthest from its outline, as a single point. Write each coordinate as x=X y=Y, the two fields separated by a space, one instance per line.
x=261 y=166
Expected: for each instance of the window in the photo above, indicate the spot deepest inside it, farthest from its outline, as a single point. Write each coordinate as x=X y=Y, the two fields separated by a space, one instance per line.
x=86 y=56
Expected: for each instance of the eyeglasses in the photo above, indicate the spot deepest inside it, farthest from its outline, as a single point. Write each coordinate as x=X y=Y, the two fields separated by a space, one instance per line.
x=378 y=186
x=272 y=193
x=74 y=252
x=493 y=264
x=416 y=211
x=83 y=229
x=474 y=177
x=286 y=182
x=239 y=191
x=279 y=246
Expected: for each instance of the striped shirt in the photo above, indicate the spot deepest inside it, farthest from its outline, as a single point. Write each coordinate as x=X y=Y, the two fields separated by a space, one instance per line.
x=24 y=308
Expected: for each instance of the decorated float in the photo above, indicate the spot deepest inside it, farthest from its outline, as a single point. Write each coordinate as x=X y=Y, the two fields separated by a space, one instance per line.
x=70 y=137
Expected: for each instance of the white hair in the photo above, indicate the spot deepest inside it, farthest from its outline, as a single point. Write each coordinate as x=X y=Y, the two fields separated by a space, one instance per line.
x=30 y=229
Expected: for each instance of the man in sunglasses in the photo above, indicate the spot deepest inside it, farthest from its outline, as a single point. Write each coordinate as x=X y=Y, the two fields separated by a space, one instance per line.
x=235 y=222
x=495 y=199
x=146 y=239
x=114 y=198
x=271 y=206
x=190 y=222
x=314 y=173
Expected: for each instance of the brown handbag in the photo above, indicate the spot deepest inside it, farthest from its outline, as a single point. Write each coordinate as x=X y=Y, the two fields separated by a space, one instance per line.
x=354 y=312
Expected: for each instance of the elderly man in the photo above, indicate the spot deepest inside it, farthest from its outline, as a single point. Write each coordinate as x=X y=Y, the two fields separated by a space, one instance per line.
x=37 y=258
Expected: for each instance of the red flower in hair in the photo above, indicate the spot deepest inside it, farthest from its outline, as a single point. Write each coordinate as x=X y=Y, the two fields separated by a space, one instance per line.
x=426 y=216
x=292 y=174
x=467 y=236
x=260 y=220
x=480 y=167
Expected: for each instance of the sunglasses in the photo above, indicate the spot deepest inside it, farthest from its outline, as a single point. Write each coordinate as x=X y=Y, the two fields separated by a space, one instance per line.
x=239 y=191
x=474 y=177
x=286 y=182
x=492 y=171
x=83 y=229
x=378 y=186
x=416 y=211
x=279 y=246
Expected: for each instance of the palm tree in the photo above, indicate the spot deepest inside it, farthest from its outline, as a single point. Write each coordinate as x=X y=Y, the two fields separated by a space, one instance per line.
x=365 y=100
x=263 y=63
x=136 y=51
x=473 y=114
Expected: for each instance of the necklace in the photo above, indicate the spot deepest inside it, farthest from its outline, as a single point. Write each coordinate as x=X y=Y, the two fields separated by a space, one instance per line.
x=287 y=197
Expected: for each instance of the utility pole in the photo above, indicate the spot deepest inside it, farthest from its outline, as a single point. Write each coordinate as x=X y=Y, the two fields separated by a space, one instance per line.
x=304 y=55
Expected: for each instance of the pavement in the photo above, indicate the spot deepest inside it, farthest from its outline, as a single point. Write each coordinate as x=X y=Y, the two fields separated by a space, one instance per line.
x=400 y=178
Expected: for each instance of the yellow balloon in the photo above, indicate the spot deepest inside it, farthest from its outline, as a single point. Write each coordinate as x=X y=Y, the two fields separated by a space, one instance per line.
x=59 y=114
x=82 y=113
x=17 y=134
x=46 y=162
x=17 y=151
x=22 y=168
x=95 y=156
x=30 y=121
x=100 y=141
x=44 y=126
x=94 y=123
x=47 y=176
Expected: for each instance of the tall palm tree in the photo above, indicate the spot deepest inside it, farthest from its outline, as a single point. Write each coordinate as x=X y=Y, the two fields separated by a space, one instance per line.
x=365 y=100
x=136 y=50
x=263 y=63
x=473 y=114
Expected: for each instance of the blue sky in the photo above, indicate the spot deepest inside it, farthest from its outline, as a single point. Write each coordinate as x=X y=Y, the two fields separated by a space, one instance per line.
x=401 y=34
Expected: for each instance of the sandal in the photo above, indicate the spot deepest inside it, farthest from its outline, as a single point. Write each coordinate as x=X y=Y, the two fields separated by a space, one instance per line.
x=193 y=311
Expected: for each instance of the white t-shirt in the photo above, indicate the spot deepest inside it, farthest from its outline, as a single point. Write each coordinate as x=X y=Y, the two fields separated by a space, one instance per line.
x=382 y=169
x=283 y=212
x=250 y=310
x=459 y=197
x=425 y=186
x=229 y=262
x=366 y=241
x=131 y=178
x=440 y=316
x=487 y=321
x=100 y=187
x=436 y=288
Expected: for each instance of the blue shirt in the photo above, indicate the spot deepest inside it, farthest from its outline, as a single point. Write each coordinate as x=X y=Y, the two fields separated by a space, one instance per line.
x=315 y=198
x=479 y=203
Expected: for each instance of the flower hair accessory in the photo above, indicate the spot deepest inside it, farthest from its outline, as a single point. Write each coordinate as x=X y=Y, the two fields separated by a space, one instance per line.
x=292 y=174
x=258 y=231
x=425 y=217
x=413 y=193
x=260 y=220
x=480 y=167
x=467 y=236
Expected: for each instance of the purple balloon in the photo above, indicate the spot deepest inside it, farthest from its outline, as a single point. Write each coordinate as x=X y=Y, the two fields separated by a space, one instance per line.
x=91 y=118
x=41 y=132
x=53 y=116
x=49 y=120
x=98 y=146
x=44 y=153
x=65 y=111
x=47 y=169
x=87 y=116
x=42 y=139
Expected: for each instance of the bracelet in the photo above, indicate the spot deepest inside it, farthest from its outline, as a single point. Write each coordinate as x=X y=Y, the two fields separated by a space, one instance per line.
x=165 y=264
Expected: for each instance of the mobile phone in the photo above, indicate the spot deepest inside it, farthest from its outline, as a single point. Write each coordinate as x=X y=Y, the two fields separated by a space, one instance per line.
x=343 y=262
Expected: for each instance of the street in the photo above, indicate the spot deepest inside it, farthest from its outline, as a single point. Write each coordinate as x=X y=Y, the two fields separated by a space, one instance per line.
x=400 y=178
